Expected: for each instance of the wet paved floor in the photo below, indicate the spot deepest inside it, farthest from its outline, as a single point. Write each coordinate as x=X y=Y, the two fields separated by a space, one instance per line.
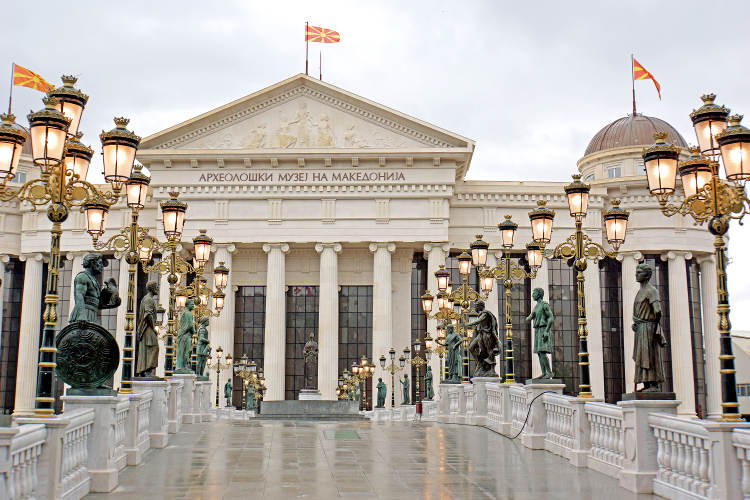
x=321 y=460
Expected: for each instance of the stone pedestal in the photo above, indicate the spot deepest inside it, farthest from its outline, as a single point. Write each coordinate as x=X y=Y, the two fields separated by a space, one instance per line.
x=137 y=439
x=106 y=445
x=505 y=421
x=429 y=411
x=639 y=464
x=189 y=403
x=174 y=403
x=405 y=412
x=480 y=399
x=310 y=395
x=452 y=403
x=536 y=427
x=579 y=452
x=202 y=402
x=158 y=425
x=381 y=414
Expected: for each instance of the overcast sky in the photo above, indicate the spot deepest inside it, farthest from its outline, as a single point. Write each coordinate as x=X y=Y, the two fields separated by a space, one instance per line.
x=530 y=82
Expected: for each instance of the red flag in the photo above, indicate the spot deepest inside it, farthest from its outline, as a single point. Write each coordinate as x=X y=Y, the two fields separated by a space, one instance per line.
x=322 y=35
x=26 y=78
x=640 y=73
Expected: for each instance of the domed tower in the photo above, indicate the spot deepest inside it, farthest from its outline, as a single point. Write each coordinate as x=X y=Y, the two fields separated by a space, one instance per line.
x=615 y=151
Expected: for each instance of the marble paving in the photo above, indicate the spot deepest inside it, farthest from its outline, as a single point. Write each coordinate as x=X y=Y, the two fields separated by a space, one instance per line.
x=225 y=460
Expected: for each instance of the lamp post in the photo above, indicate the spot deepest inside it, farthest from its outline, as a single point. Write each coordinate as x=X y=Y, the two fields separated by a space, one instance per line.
x=580 y=247
x=508 y=272
x=393 y=369
x=418 y=362
x=710 y=199
x=63 y=162
x=219 y=367
x=437 y=346
x=362 y=372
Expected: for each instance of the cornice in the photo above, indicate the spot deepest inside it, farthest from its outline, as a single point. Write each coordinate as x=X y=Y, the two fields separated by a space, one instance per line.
x=265 y=190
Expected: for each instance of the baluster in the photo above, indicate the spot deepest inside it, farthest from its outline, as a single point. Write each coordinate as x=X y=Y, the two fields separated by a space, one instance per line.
x=703 y=469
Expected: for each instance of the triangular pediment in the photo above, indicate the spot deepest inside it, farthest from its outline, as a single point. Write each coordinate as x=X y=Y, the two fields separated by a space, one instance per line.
x=303 y=113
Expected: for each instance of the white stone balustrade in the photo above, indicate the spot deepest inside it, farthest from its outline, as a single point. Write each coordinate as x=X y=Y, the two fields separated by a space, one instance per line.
x=560 y=432
x=158 y=410
x=429 y=411
x=203 y=401
x=519 y=407
x=20 y=451
x=607 y=446
x=190 y=404
x=174 y=421
x=741 y=442
x=137 y=439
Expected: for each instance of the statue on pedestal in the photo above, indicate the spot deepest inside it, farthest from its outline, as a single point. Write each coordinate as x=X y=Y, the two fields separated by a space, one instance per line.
x=250 y=397
x=485 y=345
x=185 y=338
x=429 y=391
x=454 y=360
x=649 y=339
x=310 y=354
x=89 y=297
x=381 y=393
x=148 y=342
x=203 y=350
x=405 y=386
x=228 y=392
x=542 y=318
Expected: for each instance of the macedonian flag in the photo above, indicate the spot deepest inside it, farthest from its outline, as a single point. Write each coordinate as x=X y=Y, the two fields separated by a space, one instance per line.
x=322 y=35
x=640 y=73
x=26 y=78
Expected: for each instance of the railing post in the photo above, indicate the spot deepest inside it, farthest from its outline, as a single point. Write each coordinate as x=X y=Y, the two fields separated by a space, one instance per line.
x=536 y=427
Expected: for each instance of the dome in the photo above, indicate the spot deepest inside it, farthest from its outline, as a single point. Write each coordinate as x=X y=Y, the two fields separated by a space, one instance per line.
x=633 y=130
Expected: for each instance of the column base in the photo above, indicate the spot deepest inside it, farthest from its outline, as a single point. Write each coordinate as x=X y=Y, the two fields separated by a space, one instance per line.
x=310 y=395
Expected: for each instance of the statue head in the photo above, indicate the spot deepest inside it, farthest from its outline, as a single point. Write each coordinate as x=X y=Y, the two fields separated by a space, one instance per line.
x=93 y=262
x=312 y=336
x=429 y=368
x=537 y=294
x=643 y=272
x=479 y=306
x=152 y=287
x=190 y=304
x=204 y=321
x=449 y=329
x=406 y=377
x=380 y=379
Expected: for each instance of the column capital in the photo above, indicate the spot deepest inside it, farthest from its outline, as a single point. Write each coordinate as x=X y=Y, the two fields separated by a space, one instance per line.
x=709 y=257
x=635 y=255
x=229 y=247
x=75 y=254
x=319 y=247
x=437 y=245
x=39 y=257
x=284 y=247
x=391 y=247
x=4 y=259
x=674 y=254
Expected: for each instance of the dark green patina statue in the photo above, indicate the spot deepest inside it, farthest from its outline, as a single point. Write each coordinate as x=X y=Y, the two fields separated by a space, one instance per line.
x=204 y=349
x=542 y=318
x=185 y=338
x=148 y=342
x=454 y=360
x=485 y=345
x=405 y=387
x=649 y=340
x=381 y=393
x=429 y=391
x=228 y=392
x=88 y=295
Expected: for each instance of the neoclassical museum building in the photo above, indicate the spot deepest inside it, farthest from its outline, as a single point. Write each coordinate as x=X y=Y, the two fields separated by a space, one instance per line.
x=333 y=213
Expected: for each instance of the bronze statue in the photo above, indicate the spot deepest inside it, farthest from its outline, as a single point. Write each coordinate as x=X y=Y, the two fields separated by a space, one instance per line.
x=203 y=351
x=542 y=318
x=228 y=392
x=185 y=338
x=310 y=354
x=429 y=391
x=649 y=340
x=381 y=393
x=405 y=385
x=148 y=342
x=454 y=360
x=88 y=296
x=485 y=345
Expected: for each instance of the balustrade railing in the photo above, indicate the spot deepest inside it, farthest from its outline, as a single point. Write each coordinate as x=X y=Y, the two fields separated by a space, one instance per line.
x=607 y=445
x=453 y=403
x=741 y=442
x=469 y=395
x=560 y=431
x=519 y=407
x=22 y=448
x=494 y=405
x=683 y=455
x=74 y=473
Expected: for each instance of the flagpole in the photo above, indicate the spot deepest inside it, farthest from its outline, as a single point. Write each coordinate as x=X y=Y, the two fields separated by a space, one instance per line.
x=632 y=79
x=320 y=65
x=10 y=95
x=307 y=43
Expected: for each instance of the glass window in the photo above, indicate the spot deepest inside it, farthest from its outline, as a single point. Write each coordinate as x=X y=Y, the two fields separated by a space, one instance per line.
x=613 y=172
x=696 y=331
x=301 y=321
x=520 y=308
x=610 y=285
x=418 y=318
x=355 y=330
x=12 y=295
x=660 y=279
x=589 y=177
x=563 y=300
x=64 y=292
x=249 y=329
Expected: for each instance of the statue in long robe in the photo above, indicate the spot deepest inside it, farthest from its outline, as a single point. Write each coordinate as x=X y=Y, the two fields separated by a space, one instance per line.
x=89 y=297
x=542 y=318
x=310 y=355
x=485 y=345
x=203 y=350
x=148 y=342
x=228 y=392
x=454 y=360
x=429 y=391
x=405 y=387
x=185 y=338
x=381 y=393
x=649 y=340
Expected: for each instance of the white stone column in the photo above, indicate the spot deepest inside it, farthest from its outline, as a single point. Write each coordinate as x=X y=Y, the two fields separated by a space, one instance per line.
x=164 y=302
x=4 y=260
x=122 y=285
x=435 y=254
x=221 y=329
x=274 y=347
x=493 y=257
x=629 y=289
x=382 y=305
x=541 y=281
x=594 y=325
x=328 y=321
x=76 y=267
x=28 y=342
x=683 y=379
x=709 y=303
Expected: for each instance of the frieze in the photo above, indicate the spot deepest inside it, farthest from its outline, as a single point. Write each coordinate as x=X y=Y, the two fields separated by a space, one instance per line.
x=308 y=177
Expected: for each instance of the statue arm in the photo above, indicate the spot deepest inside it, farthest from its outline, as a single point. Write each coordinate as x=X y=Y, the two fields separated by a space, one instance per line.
x=481 y=317
x=550 y=317
x=80 y=292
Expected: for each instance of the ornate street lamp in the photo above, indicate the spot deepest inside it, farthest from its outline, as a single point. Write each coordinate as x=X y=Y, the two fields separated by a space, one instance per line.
x=173 y=217
x=77 y=157
x=202 y=247
x=12 y=138
x=541 y=223
x=221 y=275
x=48 y=129
x=227 y=364
x=118 y=151
x=70 y=102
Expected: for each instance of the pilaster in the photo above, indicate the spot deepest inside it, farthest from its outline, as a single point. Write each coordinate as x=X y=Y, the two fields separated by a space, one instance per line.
x=629 y=290
x=710 y=301
x=594 y=325
x=221 y=330
x=28 y=343
x=328 y=322
x=382 y=304
x=274 y=349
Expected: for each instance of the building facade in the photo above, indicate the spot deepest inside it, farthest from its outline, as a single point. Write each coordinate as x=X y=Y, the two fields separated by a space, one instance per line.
x=333 y=212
